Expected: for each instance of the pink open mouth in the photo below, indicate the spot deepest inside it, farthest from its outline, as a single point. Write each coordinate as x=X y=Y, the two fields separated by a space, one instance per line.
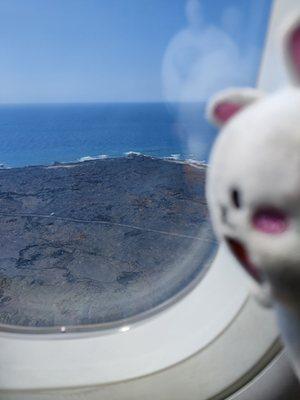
x=241 y=254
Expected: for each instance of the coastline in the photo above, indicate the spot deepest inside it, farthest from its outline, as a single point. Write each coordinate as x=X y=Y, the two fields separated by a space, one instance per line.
x=129 y=155
x=176 y=158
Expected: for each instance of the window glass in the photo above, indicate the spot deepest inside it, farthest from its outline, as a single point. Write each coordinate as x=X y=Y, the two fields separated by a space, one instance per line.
x=103 y=153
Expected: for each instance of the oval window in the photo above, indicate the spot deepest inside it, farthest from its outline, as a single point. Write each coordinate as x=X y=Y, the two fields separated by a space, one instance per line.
x=103 y=154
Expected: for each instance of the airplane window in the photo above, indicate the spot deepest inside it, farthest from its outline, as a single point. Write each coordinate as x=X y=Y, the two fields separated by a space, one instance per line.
x=104 y=149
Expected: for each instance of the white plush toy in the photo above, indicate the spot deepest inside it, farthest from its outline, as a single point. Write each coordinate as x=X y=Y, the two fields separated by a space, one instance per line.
x=253 y=188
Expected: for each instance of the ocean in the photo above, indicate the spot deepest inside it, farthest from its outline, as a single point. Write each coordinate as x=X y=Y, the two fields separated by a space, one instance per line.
x=44 y=134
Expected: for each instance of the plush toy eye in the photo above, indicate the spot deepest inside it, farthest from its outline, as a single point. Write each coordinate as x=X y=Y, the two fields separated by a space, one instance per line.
x=236 y=198
x=270 y=220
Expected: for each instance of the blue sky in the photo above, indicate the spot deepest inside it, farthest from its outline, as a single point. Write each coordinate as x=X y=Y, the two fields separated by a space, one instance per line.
x=121 y=50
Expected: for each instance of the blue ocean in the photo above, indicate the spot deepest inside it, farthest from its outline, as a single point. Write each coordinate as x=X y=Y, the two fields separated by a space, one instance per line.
x=44 y=134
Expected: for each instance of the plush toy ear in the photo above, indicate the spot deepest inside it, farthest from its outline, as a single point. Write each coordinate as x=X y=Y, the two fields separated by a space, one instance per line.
x=222 y=107
x=291 y=47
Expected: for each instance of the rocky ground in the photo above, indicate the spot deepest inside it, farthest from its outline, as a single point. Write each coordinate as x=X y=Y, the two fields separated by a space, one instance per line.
x=99 y=241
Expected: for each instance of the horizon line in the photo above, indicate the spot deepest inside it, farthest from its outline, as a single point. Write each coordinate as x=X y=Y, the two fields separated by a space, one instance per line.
x=97 y=102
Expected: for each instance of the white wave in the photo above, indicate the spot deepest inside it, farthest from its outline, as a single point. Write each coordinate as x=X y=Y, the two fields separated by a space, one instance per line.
x=86 y=158
x=174 y=157
x=196 y=162
x=90 y=158
x=4 y=166
x=132 y=153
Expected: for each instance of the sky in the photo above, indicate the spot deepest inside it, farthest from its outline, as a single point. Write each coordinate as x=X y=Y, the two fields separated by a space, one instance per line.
x=127 y=50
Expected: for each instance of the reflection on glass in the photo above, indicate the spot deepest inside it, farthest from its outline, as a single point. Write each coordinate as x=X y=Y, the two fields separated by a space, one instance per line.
x=103 y=216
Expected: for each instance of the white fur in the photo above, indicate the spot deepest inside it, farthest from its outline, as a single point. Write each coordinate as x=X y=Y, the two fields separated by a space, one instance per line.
x=258 y=153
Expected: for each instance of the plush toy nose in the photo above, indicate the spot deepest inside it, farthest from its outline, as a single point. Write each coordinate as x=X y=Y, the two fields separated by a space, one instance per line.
x=270 y=221
x=241 y=254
